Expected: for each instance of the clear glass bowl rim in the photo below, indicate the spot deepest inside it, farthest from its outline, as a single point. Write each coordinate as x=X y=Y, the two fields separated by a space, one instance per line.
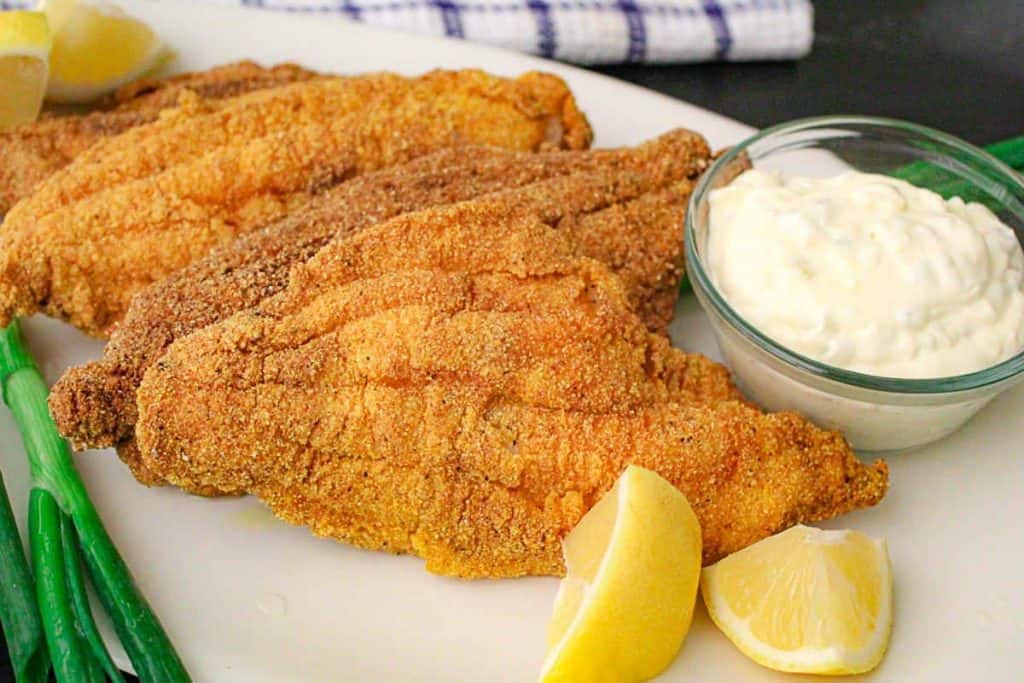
x=996 y=374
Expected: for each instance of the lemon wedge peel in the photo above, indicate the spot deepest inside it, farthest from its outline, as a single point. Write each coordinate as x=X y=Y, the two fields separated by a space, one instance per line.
x=25 y=44
x=97 y=49
x=24 y=32
x=840 y=559
x=633 y=567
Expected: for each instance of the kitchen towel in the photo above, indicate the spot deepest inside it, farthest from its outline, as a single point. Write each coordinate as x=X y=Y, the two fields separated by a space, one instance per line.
x=585 y=31
x=594 y=31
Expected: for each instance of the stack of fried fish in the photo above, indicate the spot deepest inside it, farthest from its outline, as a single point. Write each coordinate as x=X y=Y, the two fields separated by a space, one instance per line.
x=414 y=314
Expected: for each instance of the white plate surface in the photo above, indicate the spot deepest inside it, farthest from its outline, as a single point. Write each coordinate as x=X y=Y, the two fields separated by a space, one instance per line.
x=250 y=599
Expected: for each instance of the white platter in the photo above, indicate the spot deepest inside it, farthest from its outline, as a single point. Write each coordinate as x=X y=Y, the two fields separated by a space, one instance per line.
x=250 y=599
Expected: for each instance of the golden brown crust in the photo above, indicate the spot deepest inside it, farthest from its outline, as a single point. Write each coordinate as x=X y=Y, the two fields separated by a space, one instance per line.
x=135 y=207
x=633 y=227
x=465 y=389
x=33 y=152
x=220 y=82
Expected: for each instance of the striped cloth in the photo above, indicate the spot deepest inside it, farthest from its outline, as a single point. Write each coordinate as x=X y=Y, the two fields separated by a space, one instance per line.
x=589 y=31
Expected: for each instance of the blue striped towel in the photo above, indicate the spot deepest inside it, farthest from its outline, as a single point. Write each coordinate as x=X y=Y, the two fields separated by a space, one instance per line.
x=588 y=31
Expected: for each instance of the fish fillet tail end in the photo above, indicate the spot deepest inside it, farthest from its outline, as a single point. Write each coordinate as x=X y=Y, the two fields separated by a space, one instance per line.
x=868 y=484
x=88 y=404
x=570 y=130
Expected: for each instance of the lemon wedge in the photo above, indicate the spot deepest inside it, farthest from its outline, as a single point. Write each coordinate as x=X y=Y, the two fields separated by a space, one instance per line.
x=633 y=566
x=805 y=600
x=24 y=51
x=97 y=49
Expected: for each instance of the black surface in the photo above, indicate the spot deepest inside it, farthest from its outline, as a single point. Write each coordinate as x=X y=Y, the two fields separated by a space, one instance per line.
x=957 y=65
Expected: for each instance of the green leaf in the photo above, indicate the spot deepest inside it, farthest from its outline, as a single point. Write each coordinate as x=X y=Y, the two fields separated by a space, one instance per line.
x=948 y=184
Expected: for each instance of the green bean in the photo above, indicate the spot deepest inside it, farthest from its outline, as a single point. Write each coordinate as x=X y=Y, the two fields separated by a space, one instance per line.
x=26 y=643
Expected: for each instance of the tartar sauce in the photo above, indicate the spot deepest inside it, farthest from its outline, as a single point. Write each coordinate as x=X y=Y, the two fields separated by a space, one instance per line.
x=869 y=273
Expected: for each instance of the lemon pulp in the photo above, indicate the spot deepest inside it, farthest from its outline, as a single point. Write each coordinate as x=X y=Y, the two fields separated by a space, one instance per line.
x=633 y=566
x=97 y=49
x=805 y=600
x=24 y=50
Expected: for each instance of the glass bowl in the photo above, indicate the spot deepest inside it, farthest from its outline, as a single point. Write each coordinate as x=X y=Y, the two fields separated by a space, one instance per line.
x=877 y=414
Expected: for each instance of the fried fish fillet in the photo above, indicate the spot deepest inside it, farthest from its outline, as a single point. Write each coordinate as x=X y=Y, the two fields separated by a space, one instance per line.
x=466 y=393
x=221 y=82
x=622 y=206
x=134 y=208
x=31 y=153
x=94 y=405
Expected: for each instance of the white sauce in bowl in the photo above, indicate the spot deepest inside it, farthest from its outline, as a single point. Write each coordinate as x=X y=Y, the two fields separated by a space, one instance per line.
x=869 y=273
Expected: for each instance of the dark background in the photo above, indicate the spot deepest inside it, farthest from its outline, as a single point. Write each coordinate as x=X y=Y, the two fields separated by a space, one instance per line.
x=957 y=65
